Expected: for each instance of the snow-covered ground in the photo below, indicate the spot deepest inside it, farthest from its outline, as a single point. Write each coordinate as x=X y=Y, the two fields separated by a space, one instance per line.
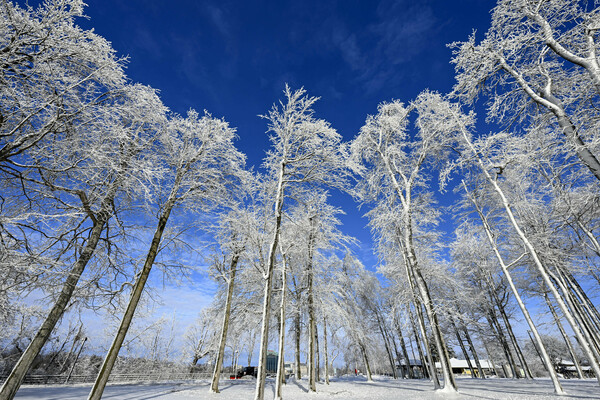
x=343 y=388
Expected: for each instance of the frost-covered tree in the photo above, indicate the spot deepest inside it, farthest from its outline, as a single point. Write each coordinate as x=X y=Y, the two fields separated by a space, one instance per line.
x=305 y=151
x=314 y=225
x=390 y=161
x=478 y=270
x=233 y=234
x=352 y=284
x=53 y=74
x=85 y=176
x=200 y=338
x=501 y=161
x=200 y=162
x=537 y=64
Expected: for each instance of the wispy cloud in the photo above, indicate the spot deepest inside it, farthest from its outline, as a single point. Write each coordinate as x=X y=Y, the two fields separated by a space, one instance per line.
x=217 y=15
x=403 y=30
x=349 y=48
x=399 y=32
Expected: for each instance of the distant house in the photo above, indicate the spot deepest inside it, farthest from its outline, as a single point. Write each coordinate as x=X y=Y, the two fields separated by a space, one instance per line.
x=460 y=367
x=568 y=369
x=290 y=369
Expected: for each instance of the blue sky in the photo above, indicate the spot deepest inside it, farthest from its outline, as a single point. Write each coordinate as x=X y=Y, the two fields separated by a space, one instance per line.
x=233 y=58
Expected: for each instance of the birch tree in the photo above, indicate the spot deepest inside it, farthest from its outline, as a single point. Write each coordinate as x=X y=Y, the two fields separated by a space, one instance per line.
x=305 y=151
x=200 y=162
x=88 y=173
x=493 y=165
x=390 y=165
x=538 y=64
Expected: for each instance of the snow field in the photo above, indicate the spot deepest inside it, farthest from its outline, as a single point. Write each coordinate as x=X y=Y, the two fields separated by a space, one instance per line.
x=354 y=388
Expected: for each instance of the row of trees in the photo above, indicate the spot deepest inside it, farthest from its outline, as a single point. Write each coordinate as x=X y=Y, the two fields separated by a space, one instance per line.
x=527 y=193
x=85 y=155
x=95 y=168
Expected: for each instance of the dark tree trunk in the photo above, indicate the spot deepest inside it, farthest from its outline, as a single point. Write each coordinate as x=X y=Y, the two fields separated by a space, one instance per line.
x=462 y=347
x=404 y=352
x=15 y=378
x=214 y=387
x=136 y=294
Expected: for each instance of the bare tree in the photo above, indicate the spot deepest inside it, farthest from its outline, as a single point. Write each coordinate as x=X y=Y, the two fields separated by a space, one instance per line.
x=305 y=151
x=390 y=166
x=87 y=174
x=199 y=154
x=538 y=64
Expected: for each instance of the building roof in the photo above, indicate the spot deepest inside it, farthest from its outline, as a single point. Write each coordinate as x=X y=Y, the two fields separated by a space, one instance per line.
x=456 y=363
x=565 y=362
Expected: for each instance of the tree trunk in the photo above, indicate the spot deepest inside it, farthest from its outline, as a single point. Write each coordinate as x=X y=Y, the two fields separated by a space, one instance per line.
x=425 y=358
x=76 y=338
x=429 y=361
x=264 y=339
x=136 y=294
x=317 y=354
x=75 y=361
x=487 y=350
x=473 y=351
x=15 y=378
x=214 y=387
x=251 y=347
x=311 y=313
x=404 y=351
x=462 y=347
x=550 y=102
x=413 y=270
x=512 y=337
x=410 y=258
x=398 y=356
x=585 y=306
x=325 y=350
x=585 y=300
x=570 y=131
x=493 y=321
x=280 y=361
x=545 y=357
x=429 y=364
x=565 y=336
x=543 y=271
x=545 y=276
x=449 y=382
x=297 y=333
x=386 y=343
x=578 y=314
x=366 y=360
x=515 y=343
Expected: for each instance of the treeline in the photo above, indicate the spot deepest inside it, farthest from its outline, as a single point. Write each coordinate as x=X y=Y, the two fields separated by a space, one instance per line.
x=99 y=177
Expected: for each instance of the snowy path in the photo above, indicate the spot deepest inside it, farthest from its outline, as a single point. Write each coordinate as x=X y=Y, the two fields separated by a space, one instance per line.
x=342 y=389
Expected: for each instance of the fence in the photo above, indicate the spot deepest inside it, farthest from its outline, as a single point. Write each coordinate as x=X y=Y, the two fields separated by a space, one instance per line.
x=154 y=376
